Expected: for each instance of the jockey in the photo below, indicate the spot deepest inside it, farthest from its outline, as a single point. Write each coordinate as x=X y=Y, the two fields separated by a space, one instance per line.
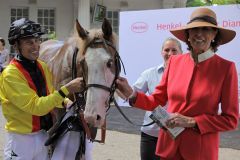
x=28 y=96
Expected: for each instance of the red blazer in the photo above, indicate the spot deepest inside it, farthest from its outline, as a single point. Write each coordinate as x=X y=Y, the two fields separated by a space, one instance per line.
x=196 y=91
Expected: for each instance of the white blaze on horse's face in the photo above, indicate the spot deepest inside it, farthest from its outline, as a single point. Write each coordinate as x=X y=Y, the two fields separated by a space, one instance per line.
x=100 y=69
x=98 y=73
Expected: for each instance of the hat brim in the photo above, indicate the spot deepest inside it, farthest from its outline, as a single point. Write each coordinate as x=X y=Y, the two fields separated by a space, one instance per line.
x=226 y=35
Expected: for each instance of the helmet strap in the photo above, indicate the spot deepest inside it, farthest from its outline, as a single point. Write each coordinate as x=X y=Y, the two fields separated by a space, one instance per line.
x=17 y=47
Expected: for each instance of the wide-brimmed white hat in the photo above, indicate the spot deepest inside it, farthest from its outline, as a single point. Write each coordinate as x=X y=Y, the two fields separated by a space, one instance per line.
x=204 y=17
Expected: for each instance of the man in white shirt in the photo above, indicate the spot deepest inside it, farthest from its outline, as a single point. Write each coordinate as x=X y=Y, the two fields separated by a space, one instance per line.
x=146 y=83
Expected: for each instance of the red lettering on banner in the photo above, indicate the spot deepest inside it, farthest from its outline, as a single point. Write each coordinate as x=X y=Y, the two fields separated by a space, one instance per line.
x=230 y=23
x=169 y=26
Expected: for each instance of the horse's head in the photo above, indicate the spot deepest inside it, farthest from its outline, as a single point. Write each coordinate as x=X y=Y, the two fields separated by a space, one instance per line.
x=99 y=63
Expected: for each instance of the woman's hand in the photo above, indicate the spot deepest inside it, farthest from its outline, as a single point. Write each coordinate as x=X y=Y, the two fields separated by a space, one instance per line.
x=124 y=88
x=178 y=120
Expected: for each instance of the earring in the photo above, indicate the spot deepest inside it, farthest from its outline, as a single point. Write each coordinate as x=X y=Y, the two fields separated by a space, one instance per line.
x=213 y=41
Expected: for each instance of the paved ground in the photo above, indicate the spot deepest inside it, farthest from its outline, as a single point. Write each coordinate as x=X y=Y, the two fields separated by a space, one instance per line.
x=122 y=141
x=123 y=146
x=116 y=122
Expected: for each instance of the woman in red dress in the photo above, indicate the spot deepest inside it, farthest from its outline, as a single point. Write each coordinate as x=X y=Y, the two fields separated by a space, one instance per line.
x=194 y=85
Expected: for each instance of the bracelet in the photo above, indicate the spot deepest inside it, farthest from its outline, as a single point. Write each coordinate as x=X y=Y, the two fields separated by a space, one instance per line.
x=127 y=99
x=132 y=98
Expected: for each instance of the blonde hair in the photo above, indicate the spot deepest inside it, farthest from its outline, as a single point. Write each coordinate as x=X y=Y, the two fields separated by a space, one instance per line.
x=174 y=40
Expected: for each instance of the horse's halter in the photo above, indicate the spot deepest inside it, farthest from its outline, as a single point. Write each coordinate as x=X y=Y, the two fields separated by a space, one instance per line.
x=81 y=97
x=118 y=62
x=102 y=43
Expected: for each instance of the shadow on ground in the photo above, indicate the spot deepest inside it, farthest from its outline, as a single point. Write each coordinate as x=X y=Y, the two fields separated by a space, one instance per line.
x=116 y=122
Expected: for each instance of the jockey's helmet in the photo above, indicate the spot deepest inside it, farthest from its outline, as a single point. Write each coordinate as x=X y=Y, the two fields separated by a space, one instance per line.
x=23 y=28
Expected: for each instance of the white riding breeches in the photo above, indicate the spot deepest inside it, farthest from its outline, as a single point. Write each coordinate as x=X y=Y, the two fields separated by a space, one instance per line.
x=67 y=147
x=26 y=146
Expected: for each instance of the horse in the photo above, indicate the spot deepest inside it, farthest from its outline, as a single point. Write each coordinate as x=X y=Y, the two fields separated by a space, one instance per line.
x=95 y=58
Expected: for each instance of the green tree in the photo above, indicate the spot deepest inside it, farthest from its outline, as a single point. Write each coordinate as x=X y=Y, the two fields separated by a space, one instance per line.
x=222 y=2
x=195 y=3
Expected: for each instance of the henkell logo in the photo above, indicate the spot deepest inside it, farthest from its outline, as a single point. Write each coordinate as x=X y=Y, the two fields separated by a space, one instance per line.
x=139 y=27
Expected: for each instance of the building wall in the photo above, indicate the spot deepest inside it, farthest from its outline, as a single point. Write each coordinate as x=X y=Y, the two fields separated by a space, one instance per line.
x=66 y=11
x=64 y=14
x=123 y=5
x=130 y=5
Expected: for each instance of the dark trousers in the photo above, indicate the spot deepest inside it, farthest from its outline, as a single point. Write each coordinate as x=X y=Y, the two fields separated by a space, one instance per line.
x=148 y=147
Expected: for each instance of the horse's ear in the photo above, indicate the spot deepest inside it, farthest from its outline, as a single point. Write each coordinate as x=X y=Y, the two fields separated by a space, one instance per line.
x=81 y=32
x=107 y=29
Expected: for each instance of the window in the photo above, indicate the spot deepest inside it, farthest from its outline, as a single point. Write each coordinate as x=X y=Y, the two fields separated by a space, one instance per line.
x=46 y=17
x=18 y=13
x=113 y=17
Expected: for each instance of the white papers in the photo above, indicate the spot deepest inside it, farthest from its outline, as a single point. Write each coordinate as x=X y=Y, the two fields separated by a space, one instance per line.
x=160 y=116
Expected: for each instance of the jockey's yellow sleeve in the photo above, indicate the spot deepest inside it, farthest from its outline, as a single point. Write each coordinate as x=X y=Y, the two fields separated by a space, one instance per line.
x=20 y=102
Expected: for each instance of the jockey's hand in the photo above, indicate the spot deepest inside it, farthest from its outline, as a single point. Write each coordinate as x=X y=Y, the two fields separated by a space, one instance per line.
x=123 y=86
x=76 y=85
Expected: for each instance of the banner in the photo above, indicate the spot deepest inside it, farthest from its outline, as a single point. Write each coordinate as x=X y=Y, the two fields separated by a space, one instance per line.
x=141 y=34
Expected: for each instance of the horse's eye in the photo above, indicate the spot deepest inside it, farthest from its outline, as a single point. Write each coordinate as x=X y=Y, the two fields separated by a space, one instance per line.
x=110 y=63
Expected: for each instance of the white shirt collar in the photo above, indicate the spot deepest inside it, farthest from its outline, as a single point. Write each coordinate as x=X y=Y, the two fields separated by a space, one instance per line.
x=160 y=68
x=205 y=55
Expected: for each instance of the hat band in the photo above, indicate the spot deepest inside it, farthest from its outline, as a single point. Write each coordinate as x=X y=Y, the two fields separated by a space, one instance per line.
x=205 y=19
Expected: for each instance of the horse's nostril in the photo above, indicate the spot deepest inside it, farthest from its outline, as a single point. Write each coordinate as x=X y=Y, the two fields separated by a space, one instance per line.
x=98 y=117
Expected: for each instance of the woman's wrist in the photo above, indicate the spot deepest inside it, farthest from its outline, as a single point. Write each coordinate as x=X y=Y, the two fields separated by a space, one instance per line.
x=193 y=124
x=132 y=97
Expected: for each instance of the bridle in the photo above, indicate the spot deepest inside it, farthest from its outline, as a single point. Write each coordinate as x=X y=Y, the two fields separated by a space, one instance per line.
x=97 y=43
x=117 y=61
x=81 y=97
